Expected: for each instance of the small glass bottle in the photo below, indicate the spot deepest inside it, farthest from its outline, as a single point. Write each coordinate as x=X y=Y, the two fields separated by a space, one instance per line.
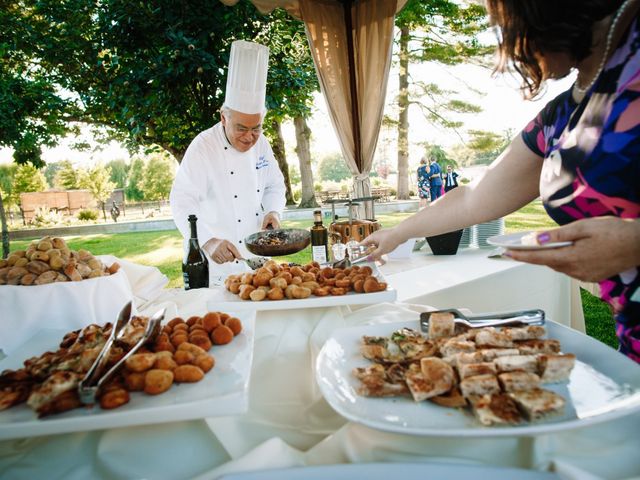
x=195 y=266
x=319 y=239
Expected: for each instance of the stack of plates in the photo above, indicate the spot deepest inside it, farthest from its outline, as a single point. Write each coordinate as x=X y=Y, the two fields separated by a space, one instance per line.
x=485 y=230
x=468 y=238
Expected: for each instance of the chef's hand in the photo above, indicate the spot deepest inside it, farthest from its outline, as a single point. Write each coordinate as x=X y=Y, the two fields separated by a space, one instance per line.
x=381 y=242
x=602 y=247
x=271 y=220
x=221 y=250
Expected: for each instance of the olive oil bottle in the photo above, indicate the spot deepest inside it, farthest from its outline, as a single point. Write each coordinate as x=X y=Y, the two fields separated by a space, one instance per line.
x=319 y=239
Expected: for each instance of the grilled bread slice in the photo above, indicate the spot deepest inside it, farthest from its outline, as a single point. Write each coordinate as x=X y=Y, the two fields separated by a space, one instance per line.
x=479 y=385
x=538 y=403
x=518 y=380
x=510 y=363
x=556 y=368
x=441 y=325
x=496 y=409
x=433 y=377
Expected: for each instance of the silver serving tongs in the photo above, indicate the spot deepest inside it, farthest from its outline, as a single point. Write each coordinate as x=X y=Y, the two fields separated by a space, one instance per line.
x=94 y=379
x=496 y=319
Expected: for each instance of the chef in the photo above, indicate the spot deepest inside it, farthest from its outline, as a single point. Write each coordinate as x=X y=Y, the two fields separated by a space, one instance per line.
x=229 y=177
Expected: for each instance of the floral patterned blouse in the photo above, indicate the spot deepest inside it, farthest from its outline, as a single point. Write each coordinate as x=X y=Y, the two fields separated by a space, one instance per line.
x=591 y=166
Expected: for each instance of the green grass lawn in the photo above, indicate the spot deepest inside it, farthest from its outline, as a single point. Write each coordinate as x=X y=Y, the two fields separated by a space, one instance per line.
x=164 y=251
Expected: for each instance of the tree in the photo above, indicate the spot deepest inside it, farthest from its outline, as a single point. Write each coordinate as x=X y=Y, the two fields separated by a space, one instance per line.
x=119 y=169
x=158 y=178
x=152 y=73
x=488 y=145
x=67 y=176
x=133 y=191
x=96 y=180
x=439 y=31
x=28 y=179
x=292 y=83
x=7 y=175
x=334 y=168
x=50 y=171
x=294 y=174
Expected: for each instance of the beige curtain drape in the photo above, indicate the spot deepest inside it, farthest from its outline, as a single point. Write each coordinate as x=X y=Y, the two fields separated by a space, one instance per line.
x=355 y=98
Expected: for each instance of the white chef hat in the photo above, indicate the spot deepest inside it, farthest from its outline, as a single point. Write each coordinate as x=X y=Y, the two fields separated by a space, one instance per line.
x=247 y=77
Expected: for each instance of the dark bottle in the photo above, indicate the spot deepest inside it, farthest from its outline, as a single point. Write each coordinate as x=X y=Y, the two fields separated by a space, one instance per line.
x=195 y=267
x=319 y=239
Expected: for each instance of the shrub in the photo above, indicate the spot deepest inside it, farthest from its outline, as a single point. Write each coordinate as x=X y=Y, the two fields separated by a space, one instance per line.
x=43 y=217
x=88 y=215
x=297 y=193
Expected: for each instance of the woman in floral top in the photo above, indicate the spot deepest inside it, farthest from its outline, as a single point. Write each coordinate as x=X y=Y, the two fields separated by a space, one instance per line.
x=581 y=154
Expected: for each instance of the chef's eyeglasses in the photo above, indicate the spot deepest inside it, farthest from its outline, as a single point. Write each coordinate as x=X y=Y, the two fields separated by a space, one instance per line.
x=241 y=129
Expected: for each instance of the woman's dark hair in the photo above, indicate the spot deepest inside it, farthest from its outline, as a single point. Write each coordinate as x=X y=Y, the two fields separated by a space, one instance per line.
x=529 y=28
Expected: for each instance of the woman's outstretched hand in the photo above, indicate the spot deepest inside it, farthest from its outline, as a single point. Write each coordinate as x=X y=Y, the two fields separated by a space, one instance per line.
x=602 y=247
x=384 y=241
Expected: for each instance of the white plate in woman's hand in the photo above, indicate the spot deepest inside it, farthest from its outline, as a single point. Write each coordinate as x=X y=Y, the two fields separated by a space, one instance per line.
x=514 y=241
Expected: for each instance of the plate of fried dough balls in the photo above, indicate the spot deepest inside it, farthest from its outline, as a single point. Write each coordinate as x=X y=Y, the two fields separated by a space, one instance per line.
x=305 y=286
x=197 y=367
x=50 y=260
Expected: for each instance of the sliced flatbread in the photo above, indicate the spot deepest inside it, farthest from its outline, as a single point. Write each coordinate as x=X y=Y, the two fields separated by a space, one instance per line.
x=538 y=403
x=496 y=409
x=518 y=381
x=556 y=368
x=479 y=385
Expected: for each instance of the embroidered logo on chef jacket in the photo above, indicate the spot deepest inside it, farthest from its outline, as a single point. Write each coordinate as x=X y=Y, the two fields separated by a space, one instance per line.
x=262 y=162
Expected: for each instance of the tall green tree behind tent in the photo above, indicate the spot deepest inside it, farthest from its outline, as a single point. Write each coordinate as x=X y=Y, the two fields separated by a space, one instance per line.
x=118 y=169
x=292 y=83
x=158 y=177
x=133 y=190
x=67 y=176
x=96 y=180
x=443 y=31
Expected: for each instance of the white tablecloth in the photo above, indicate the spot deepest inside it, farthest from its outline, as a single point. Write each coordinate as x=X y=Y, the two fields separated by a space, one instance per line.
x=290 y=424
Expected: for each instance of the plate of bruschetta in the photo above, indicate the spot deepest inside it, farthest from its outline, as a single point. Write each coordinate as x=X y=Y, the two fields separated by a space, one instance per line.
x=474 y=382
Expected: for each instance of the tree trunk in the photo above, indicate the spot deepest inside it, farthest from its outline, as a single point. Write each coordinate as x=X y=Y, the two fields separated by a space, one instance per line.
x=303 y=134
x=104 y=212
x=403 y=120
x=5 y=231
x=281 y=157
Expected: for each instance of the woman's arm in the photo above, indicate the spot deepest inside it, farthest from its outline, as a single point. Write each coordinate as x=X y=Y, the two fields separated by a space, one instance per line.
x=510 y=182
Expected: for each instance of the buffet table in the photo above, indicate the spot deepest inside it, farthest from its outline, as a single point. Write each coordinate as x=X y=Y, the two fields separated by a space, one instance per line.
x=289 y=423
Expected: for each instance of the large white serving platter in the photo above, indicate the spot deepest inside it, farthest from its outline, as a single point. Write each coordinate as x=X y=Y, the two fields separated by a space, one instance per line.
x=603 y=385
x=223 y=391
x=385 y=471
x=513 y=241
x=222 y=299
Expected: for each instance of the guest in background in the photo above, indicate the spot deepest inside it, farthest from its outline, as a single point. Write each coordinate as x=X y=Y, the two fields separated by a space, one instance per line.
x=423 y=183
x=450 y=179
x=435 y=178
x=580 y=154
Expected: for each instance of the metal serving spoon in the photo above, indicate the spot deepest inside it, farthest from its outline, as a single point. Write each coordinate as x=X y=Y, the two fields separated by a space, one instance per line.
x=254 y=263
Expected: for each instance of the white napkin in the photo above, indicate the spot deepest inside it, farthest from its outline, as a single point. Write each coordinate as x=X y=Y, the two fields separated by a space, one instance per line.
x=65 y=305
x=146 y=282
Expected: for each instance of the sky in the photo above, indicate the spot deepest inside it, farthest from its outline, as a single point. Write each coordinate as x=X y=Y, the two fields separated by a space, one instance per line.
x=502 y=105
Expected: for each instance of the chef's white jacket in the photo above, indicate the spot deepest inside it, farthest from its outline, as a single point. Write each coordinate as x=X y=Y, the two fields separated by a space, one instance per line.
x=229 y=191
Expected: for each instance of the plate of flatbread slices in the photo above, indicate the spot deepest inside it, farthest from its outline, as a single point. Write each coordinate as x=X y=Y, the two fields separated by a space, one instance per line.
x=475 y=382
